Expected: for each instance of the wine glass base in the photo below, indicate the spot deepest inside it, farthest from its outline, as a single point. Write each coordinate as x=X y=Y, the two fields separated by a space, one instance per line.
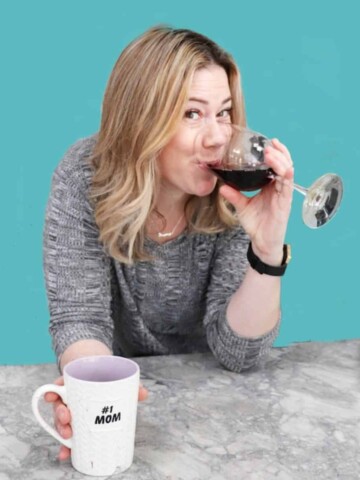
x=322 y=200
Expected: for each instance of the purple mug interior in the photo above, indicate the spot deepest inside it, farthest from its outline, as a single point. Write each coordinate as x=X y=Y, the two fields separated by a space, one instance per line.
x=102 y=368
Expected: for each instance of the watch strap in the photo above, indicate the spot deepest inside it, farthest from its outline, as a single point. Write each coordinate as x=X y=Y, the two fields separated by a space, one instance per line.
x=261 y=267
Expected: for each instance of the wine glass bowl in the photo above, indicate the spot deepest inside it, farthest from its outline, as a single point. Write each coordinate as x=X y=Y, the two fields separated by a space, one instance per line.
x=242 y=166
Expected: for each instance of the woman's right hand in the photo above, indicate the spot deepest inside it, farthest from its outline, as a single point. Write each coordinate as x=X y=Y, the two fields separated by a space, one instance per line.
x=62 y=417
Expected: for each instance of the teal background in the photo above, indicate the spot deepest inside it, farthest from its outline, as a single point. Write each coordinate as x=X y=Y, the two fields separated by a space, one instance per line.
x=299 y=62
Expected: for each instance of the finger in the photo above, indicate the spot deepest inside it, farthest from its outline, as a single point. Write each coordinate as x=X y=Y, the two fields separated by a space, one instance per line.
x=59 y=381
x=64 y=430
x=64 y=453
x=284 y=188
x=143 y=393
x=277 y=161
x=289 y=175
x=288 y=182
x=280 y=146
x=52 y=396
x=288 y=178
x=62 y=414
x=56 y=405
x=233 y=196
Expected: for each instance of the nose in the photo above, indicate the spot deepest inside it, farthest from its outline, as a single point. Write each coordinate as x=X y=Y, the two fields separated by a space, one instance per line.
x=215 y=134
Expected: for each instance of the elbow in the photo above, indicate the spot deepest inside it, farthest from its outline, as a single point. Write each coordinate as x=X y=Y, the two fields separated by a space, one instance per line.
x=242 y=363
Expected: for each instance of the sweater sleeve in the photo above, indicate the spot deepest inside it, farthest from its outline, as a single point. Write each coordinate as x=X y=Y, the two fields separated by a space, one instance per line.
x=77 y=271
x=235 y=352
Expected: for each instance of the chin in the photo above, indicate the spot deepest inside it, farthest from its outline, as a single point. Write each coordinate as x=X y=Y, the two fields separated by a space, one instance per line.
x=204 y=190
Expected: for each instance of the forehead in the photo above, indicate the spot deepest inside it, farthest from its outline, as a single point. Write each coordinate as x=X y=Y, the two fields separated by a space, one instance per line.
x=210 y=83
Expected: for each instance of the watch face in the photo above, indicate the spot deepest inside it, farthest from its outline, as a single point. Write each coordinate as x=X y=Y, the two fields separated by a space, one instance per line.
x=288 y=254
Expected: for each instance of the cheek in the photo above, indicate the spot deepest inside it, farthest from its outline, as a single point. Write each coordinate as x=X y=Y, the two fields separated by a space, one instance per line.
x=167 y=161
x=183 y=143
x=176 y=155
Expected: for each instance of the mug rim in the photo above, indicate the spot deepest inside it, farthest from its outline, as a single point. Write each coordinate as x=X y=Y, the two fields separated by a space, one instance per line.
x=87 y=359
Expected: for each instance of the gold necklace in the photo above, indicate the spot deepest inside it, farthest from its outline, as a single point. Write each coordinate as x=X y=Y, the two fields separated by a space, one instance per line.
x=170 y=234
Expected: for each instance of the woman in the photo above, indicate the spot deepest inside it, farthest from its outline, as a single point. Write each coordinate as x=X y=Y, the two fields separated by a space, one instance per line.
x=145 y=252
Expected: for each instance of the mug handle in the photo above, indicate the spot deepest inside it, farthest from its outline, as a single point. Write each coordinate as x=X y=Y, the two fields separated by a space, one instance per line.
x=61 y=391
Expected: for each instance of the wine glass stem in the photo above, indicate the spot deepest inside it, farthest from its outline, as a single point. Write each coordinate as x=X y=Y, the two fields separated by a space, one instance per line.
x=300 y=189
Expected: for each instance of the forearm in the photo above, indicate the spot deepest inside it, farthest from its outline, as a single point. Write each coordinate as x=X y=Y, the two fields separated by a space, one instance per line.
x=83 y=348
x=254 y=309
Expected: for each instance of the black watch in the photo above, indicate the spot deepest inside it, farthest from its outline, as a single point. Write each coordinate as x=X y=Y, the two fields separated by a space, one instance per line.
x=262 y=267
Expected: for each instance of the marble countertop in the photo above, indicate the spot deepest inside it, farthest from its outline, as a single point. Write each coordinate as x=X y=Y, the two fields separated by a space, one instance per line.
x=295 y=418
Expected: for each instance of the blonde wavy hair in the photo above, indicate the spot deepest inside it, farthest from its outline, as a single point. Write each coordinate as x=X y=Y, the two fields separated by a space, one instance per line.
x=143 y=104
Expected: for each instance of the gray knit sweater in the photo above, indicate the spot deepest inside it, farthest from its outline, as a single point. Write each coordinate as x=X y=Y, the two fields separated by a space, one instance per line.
x=173 y=304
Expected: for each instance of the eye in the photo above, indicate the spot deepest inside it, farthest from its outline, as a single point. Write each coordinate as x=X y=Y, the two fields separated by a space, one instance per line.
x=226 y=113
x=192 y=114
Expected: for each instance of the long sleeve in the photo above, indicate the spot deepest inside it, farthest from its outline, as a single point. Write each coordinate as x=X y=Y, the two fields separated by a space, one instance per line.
x=235 y=352
x=77 y=271
x=174 y=304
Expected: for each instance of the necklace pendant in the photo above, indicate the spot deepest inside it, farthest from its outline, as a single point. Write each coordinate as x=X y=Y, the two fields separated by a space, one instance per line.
x=169 y=234
x=165 y=235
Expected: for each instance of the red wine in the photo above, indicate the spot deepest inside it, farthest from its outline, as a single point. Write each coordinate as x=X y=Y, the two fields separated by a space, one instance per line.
x=245 y=179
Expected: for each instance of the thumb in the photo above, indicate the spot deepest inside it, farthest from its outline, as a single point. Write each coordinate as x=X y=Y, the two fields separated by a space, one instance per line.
x=143 y=393
x=233 y=196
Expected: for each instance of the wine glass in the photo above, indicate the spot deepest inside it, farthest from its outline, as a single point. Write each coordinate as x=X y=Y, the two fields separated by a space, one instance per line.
x=242 y=166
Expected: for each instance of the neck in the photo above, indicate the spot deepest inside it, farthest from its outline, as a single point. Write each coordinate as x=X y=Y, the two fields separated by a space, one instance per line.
x=171 y=203
x=168 y=220
x=165 y=226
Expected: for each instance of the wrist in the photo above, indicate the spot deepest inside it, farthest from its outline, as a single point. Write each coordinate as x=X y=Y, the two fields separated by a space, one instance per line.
x=83 y=348
x=266 y=268
x=271 y=257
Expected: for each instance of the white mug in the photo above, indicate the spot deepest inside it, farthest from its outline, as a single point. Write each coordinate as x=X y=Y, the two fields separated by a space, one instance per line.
x=101 y=393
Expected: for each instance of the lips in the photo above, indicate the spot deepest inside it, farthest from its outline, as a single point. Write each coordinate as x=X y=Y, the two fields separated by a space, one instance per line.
x=209 y=165
x=215 y=164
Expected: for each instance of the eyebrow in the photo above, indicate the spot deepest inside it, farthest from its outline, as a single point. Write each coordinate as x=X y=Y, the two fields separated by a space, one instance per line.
x=200 y=100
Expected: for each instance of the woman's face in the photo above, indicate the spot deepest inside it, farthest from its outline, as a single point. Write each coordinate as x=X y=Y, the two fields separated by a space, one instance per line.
x=203 y=131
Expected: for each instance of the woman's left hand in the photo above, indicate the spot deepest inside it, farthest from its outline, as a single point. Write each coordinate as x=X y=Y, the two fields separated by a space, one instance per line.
x=265 y=216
